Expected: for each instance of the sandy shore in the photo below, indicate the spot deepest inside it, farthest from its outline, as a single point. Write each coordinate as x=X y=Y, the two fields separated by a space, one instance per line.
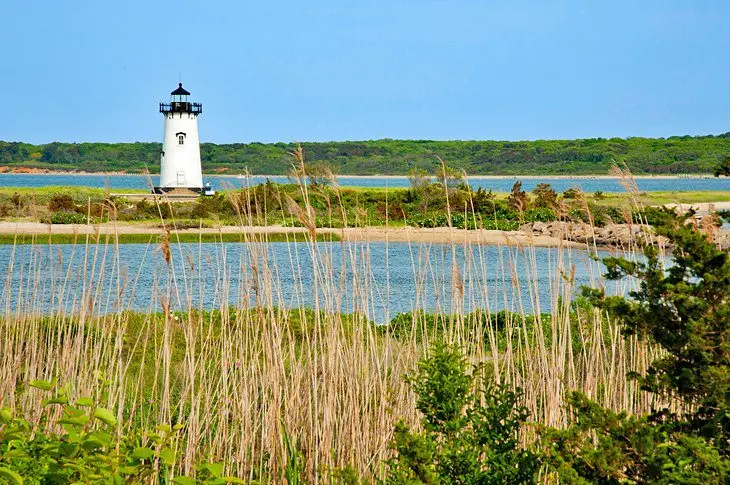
x=399 y=234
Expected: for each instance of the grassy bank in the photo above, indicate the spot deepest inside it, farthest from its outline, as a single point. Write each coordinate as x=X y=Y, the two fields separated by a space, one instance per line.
x=425 y=204
x=185 y=237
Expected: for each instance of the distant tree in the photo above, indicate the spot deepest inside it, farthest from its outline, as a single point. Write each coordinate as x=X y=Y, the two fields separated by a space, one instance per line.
x=483 y=200
x=419 y=178
x=517 y=198
x=723 y=168
x=571 y=193
x=449 y=177
x=545 y=195
x=320 y=174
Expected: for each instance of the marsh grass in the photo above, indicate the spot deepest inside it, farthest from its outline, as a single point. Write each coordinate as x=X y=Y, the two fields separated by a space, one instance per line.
x=265 y=388
x=182 y=237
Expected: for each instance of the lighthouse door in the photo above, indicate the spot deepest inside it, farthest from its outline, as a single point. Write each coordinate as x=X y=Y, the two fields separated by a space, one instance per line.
x=181 y=179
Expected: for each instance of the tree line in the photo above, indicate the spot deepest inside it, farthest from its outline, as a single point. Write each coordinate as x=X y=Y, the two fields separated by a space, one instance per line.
x=673 y=155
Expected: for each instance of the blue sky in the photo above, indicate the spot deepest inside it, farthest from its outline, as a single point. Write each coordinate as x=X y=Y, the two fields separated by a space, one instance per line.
x=336 y=70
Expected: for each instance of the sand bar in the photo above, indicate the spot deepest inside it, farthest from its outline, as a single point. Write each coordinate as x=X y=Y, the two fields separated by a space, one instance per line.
x=397 y=234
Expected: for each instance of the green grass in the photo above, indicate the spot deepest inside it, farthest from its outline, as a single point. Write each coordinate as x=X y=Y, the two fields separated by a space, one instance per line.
x=186 y=237
x=76 y=192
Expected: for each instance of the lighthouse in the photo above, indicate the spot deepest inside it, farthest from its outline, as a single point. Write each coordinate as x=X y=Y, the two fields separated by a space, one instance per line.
x=180 y=158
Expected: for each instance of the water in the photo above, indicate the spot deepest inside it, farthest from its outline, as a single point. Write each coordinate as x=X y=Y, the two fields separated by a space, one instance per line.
x=218 y=182
x=377 y=279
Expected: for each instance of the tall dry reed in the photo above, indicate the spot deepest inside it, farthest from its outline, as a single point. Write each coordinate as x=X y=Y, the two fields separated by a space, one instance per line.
x=238 y=377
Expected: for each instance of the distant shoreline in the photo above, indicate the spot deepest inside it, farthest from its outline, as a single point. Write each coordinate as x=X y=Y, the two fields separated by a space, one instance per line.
x=396 y=177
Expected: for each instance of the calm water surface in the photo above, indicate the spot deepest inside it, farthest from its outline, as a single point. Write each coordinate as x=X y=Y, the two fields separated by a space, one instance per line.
x=378 y=279
x=497 y=185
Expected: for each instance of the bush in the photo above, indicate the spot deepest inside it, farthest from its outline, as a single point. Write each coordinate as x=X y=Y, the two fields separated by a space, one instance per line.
x=68 y=218
x=61 y=202
x=545 y=196
x=482 y=200
x=685 y=310
x=571 y=193
x=82 y=446
x=470 y=428
x=517 y=199
x=602 y=446
x=540 y=214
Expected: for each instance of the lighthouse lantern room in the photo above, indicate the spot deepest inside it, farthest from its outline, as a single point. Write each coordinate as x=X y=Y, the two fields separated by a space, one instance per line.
x=180 y=158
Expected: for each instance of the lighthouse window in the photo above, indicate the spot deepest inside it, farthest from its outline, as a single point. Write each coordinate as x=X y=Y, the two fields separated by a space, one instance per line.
x=180 y=139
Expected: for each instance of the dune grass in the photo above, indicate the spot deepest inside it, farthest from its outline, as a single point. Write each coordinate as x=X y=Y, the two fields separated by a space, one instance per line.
x=249 y=381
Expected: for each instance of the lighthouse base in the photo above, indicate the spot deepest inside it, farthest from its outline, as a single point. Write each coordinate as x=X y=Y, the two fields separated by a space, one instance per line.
x=178 y=190
x=184 y=191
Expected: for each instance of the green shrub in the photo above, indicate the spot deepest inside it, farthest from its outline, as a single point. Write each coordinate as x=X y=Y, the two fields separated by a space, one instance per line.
x=61 y=202
x=685 y=310
x=545 y=196
x=540 y=214
x=571 y=193
x=64 y=217
x=517 y=199
x=470 y=428
x=82 y=446
x=602 y=446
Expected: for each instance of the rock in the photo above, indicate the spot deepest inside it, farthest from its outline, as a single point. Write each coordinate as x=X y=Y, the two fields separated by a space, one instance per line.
x=526 y=228
x=616 y=235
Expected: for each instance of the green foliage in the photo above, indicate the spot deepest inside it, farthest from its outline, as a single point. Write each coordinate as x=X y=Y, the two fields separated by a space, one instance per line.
x=545 y=196
x=517 y=199
x=470 y=428
x=482 y=201
x=83 y=445
x=292 y=469
x=601 y=446
x=673 y=155
x=64 y=217
x=571 y=193
x=723 y=168
x=540 y=214
x=684 y=309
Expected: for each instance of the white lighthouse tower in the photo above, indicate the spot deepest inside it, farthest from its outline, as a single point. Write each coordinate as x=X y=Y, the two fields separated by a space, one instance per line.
x=180 y=158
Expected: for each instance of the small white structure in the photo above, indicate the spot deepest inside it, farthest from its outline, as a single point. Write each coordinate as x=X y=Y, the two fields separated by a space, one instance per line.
x=180 y=158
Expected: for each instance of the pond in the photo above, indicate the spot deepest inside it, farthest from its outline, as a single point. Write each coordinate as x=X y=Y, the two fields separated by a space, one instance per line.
x=378 y=279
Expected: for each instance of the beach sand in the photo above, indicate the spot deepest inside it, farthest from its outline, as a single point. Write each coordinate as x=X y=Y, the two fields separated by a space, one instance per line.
x=397 y=234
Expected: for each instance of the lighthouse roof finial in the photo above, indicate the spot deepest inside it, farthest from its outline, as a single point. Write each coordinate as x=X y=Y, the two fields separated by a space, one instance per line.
x=180 y=91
